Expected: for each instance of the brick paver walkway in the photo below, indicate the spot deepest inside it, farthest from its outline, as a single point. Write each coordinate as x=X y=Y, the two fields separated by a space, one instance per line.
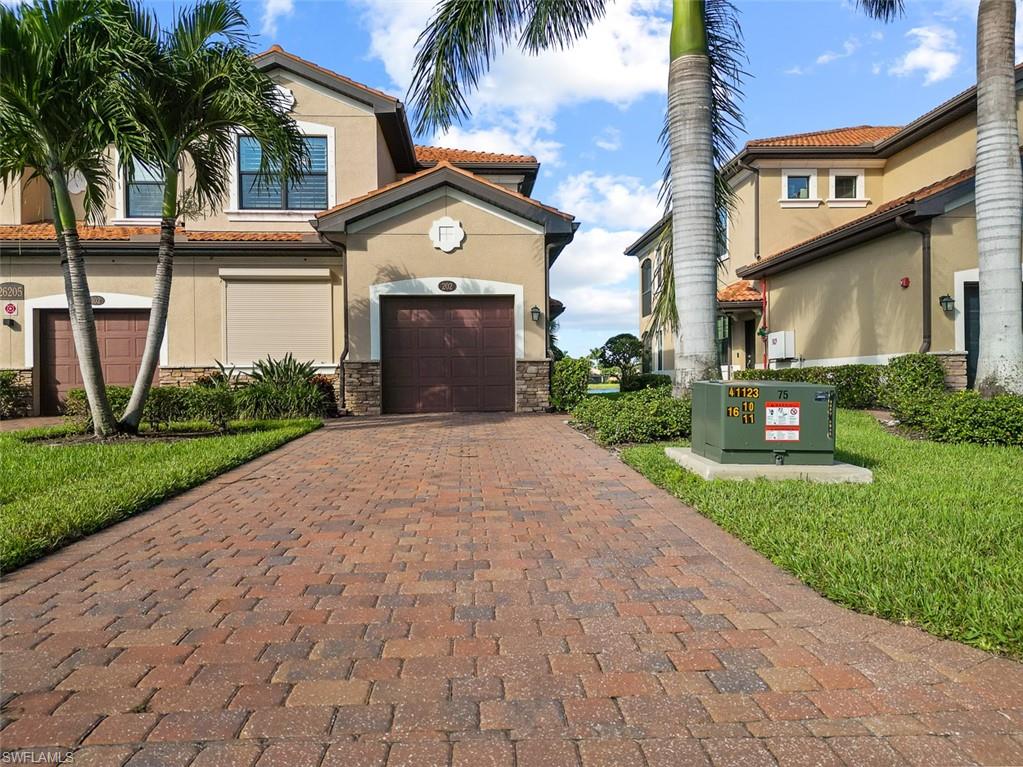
x=479 y=591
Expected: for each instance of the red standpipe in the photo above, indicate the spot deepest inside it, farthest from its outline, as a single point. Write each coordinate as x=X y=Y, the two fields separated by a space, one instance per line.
x=763 y=314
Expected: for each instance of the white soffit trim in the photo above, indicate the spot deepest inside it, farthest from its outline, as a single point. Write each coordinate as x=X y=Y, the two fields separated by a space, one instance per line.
x=430 y=286
x=274 y=274
x=834 y=162
x=435 y=194
x=59 y=301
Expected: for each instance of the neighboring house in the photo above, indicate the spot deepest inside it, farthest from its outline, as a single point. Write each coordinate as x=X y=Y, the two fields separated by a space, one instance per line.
x=417 y=276
x=826 y=247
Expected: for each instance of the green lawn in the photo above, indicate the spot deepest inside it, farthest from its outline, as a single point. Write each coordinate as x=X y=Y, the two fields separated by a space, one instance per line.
x=600 y=388
x=936 y=541
x=51 y=495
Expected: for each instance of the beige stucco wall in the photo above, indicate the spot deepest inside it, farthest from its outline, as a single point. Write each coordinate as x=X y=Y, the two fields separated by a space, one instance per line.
x=939 y=155
x=851 y=304
x=399 y=248
x=782 y=227
x=741 y=228
x=195 y=325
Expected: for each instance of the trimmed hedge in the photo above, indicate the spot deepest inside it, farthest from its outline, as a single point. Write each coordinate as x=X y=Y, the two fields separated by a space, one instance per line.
x=856 y=386
x=647 y=381
x=912 y=376
x=649 y=415
x=569 y=382
x=965 y=416
x=10 y=394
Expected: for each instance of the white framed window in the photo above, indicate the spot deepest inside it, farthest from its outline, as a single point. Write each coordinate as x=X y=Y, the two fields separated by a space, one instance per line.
x=847 y=188
x=646 y=286
x=799 y=188
x=143 y=194
x=269 y=203
x=724 y=234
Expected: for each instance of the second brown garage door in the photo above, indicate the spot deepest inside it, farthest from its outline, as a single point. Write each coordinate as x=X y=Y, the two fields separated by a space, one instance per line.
x=121 y=335
x=443 y=354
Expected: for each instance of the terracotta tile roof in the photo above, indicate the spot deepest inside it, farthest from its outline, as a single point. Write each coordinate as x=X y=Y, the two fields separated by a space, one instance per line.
x=124 y=233
x=915 y=196
x=330 y=73
x=425 y=154
x=860 y=135
x=441 y=165
x=742 y=290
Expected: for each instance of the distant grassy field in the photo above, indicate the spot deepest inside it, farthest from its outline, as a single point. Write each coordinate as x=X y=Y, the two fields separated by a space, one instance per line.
x=51 y=495
x=937 y=540
x=601 y=388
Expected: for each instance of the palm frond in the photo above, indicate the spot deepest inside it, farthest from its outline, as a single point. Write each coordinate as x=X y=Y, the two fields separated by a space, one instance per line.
x=883 y=10
x=462 y=38
x=664 y=312
x=198 y=25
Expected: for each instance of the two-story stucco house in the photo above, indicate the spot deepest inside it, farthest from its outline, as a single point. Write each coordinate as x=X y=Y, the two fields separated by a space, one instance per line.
x=416 y=275
x=854 y=245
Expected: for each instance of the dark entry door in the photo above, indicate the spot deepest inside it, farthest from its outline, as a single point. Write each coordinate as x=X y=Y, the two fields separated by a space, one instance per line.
x=122 y=337
x=971 y=315
x=750 y=338
x=442 y=354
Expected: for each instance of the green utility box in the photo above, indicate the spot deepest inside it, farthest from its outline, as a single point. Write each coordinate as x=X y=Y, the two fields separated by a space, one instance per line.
x=764 y=422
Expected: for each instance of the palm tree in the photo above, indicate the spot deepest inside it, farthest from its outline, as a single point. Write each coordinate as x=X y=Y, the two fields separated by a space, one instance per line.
x=999 y=193
x=461 y=40
x=200 y=90
x=58 y=117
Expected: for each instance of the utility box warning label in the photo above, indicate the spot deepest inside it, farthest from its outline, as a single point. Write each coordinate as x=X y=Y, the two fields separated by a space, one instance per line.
x=781 y=421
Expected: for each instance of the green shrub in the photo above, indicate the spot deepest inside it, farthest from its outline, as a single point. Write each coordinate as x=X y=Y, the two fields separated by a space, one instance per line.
x=76 y=406
x=966 y=416
x=223 y=376
x=910 y=377
x=269 y=399
x=166 y=404
x=569 y=382
x=647 y=381
x=649 y=415
x=11 y=394
x=326 y=385
x=856 y=386
x=216 y=404
x=285 y=371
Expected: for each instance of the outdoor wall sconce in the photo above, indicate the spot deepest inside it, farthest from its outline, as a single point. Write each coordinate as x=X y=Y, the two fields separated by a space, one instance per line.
x=947 y=303
x=535 y=313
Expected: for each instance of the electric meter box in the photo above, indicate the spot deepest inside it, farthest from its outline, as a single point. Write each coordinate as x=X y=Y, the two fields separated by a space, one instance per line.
x=764 y=422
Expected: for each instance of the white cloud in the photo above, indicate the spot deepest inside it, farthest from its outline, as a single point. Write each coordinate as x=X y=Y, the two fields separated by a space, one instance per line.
x=622 y=58
x=796 y=70
x=610 y=201
x=936 y=54
x=595 y=257
x=875 y=69
x=610 y=139
x=1019 y=35
x=877 y=35
x=273 y=10
x=522 y=139
x=849 y=47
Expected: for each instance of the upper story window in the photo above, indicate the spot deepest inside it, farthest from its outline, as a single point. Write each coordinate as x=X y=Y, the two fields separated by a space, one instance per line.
x=646 y=286
x=847 y=189
x=307 y=193
x=723 y=232
x=799 y=188
x=143 y=195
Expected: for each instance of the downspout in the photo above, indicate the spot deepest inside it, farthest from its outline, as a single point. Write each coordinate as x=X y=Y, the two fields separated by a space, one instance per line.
x=342 y=403
x=547 y=315
x=924 y=230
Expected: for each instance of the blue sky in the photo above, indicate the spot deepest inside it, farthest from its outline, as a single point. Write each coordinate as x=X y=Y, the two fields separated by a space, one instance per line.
x=592 y=113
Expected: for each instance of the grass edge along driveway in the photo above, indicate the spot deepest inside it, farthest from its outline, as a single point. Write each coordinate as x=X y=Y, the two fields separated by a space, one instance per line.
x=936 y=541
x=53 y=495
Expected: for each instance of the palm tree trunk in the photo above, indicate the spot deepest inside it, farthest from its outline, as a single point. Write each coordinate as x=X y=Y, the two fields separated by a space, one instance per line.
x=999 y=196
x=83 y=322
x=694 y=241
x=158 y=313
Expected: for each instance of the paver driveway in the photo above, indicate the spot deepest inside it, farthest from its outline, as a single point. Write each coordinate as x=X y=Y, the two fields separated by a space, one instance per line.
x=476 y=590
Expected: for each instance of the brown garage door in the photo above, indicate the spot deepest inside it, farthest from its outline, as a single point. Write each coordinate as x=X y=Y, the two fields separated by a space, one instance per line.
x=121 y=335
x=442 y=354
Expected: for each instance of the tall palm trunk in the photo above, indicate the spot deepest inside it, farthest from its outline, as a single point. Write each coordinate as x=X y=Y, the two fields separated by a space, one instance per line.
x=999 y=195
x=161 y=304
x=79 y=299
x=694 y=241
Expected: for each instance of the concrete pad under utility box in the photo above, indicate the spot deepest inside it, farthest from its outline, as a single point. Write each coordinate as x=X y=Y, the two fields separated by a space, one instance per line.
x=708 y=469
